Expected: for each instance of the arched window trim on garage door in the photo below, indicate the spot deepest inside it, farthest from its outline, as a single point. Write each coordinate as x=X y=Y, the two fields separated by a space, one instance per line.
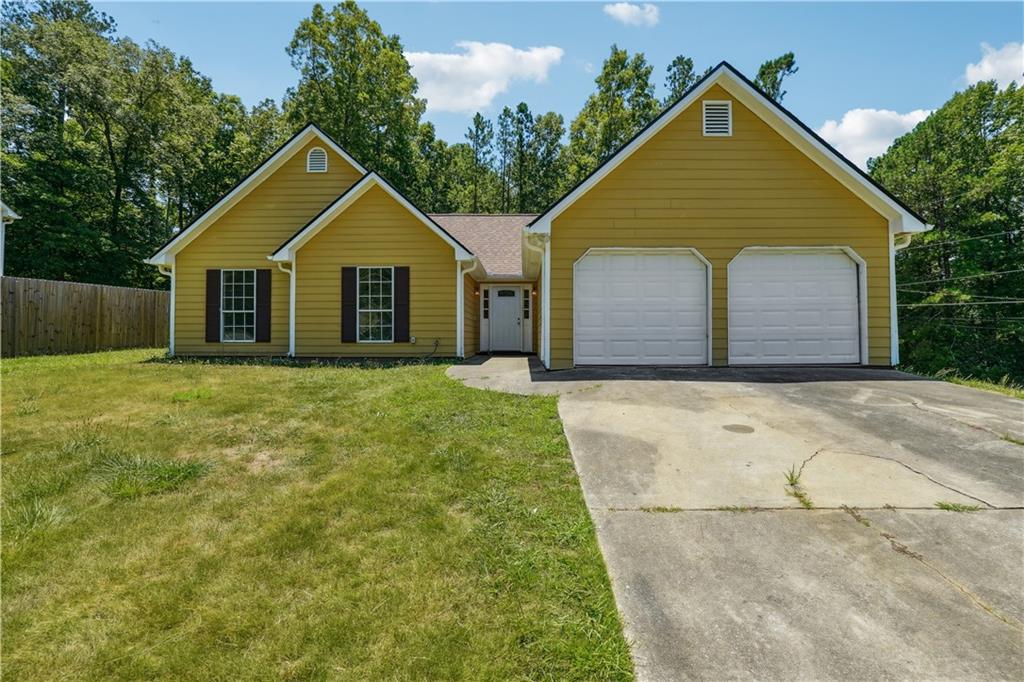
x=862 y=284
x=595 y=250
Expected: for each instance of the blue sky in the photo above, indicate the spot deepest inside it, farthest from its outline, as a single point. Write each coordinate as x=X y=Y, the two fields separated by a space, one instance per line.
x=882 y=65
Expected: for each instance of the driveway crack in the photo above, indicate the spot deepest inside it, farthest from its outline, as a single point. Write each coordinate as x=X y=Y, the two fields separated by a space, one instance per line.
x=902 y=464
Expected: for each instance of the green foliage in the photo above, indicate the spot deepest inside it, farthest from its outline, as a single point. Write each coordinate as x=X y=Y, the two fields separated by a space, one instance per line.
x=623 y=104
x=773 y=72
x=109 y=145
x=355 y=82
x=681 y=77
x=961 y=170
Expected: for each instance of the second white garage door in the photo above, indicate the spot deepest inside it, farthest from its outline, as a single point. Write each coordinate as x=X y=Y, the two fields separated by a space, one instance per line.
x=793 y=307
x=640 y=308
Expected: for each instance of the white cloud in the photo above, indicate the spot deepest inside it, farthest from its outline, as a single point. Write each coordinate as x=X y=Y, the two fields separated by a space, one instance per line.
x=864 y=133
x=470 y=81
x=633 y=15
x=1004 y=65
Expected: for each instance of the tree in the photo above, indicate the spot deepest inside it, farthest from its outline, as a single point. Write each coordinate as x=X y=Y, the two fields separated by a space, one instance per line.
x=623 y=104
x=961 y=170
x=505 y=142
x=773 y=72
x=681 y=77
x=548 y=160
x=480 y=136
x=108 y=145
x=355 y=82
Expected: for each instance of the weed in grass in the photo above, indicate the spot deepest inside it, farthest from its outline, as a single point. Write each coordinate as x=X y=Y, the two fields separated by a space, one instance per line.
x=129 y=476
x=32 y=515
x=957 y=507
x=192 y=394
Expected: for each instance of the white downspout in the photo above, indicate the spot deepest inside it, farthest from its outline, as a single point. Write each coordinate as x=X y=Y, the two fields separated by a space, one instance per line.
x=543 y=325
x=545 y=317
x=460 y=310
x=169 y=272
x=894 y=341
x=291 y=305
x=462 y=281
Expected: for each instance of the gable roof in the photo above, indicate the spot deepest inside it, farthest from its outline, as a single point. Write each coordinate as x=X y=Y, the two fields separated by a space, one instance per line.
x=286 y=252
x=902 y=217
x=283 y=153
x=496 y=240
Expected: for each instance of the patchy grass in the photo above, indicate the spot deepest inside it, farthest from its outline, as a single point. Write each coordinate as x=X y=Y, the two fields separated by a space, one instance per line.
x=192 y=394
x=356 y=522
x=1006 y=386
x=957 y=507
x=130 y=476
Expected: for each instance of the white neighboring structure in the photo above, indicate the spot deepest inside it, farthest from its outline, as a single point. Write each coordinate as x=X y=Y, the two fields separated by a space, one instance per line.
x=8 y=216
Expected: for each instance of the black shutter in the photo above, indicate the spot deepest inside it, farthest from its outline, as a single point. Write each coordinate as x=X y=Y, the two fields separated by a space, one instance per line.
x=401 y=305
x=263 y=305
x=349 y=293
x=213 y=306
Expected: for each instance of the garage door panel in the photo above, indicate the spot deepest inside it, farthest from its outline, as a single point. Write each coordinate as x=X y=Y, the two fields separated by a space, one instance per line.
x=640 y=308
x=792 y=307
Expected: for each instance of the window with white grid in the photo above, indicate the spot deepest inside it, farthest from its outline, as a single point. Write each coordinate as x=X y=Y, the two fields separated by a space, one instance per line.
x=376 y=305
x=238 y=305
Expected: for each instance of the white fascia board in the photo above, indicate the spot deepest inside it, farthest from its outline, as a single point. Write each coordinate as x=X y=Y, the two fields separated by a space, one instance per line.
x=243 y=188
x=899 y=219
x=286 y=253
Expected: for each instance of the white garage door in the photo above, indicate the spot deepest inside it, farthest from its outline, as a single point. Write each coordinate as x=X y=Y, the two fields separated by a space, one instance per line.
x=793 y=308
x=640 y=308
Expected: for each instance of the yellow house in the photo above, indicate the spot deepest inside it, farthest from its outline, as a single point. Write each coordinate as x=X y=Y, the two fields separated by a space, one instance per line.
x=725 y=232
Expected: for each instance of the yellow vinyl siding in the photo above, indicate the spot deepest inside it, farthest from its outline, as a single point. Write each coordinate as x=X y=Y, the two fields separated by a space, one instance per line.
x=375 y=230
x=471 y=306
x=718 y=195
x=243 y=238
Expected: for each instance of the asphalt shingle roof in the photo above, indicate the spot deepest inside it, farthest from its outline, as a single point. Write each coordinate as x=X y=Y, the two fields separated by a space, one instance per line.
x=495 y=239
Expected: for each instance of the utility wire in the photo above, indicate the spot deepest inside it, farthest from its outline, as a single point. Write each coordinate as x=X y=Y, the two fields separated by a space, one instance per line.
x=960 y=241
x=924 y=305
x=956 y=279
x=932 y=293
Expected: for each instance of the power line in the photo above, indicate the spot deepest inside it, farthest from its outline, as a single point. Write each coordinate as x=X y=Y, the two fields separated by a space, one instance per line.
x=932 y=293
x=924 y=305
x=960 y=241
x=956 y=279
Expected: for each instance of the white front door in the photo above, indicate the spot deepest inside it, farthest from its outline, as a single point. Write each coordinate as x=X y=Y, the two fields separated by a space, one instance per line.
x=798 y=307
x=647 y=307
x=506 y=319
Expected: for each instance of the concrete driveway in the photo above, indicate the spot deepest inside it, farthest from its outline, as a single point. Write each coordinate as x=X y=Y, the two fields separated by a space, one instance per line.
x=721 y=572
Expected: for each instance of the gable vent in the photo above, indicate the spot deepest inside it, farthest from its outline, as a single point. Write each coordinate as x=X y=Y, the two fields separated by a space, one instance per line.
x=316 y=161
x=717 y=119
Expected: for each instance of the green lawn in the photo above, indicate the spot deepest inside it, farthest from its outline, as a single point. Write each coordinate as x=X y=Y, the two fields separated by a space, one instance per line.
x=213 y=521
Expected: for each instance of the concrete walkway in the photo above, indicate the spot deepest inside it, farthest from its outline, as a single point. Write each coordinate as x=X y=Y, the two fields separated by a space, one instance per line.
x=719 y=570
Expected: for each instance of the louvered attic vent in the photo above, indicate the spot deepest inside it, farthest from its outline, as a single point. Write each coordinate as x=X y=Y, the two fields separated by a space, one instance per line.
x=316 y=161
x=717 y=119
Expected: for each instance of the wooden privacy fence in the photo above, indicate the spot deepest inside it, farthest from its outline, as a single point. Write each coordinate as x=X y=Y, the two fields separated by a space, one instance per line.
x=40 y=316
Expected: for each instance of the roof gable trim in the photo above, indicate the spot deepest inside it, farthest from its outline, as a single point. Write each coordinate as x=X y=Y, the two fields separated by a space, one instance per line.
x=286 y=252
x=905 y=219
x=284 y=153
